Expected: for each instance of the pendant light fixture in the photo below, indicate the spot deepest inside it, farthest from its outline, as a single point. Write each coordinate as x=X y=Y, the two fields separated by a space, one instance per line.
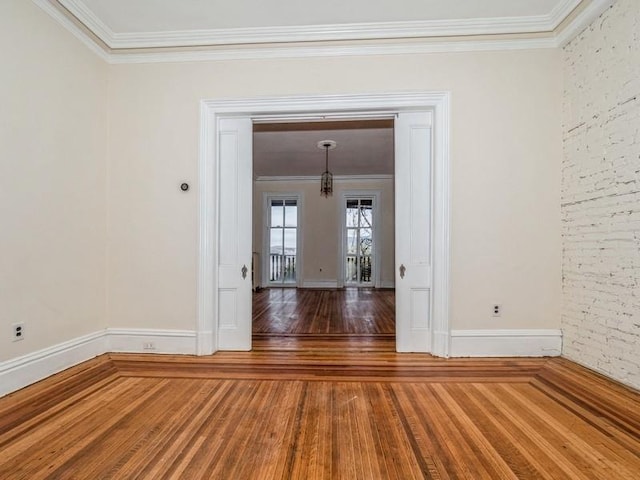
x=326 y=181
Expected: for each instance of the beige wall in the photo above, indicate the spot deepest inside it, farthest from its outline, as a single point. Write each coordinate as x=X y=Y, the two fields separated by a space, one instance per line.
x=73 y=263
x=53 y=148
x=322 y=225
x=505 y=156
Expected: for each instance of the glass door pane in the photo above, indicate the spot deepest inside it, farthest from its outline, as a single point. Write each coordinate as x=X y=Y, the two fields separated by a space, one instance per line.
x=283 y=236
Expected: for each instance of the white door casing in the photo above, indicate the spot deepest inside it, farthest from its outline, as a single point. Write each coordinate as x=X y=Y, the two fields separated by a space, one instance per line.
x=214 y=325
x=413 y=277
x=235 y=140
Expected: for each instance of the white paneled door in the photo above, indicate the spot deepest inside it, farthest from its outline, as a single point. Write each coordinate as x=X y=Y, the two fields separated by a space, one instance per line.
x=413 y=231
x=235 y=160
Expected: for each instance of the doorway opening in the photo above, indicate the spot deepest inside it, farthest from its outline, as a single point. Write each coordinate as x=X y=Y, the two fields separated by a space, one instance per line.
x=422 y=246
x=323 y=265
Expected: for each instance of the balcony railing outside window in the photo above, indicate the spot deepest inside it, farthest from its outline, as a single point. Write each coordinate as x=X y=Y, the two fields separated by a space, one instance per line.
x=282 y=268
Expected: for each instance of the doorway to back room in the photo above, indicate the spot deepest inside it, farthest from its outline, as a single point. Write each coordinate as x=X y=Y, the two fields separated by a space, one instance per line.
x=323 y=264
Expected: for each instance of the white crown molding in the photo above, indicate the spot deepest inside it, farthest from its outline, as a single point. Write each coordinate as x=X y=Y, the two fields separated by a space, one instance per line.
x=506 y=343
x=546 y=24
x=582 y=21
x=319 y=33
x=561 y=11
x=262 y=53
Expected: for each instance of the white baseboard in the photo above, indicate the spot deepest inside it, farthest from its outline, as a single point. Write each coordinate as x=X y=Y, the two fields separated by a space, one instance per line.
x=27 y=369
x=142 y=340
x=33 y=367
x=387 y=284
x=320 y=284
x=506 y=343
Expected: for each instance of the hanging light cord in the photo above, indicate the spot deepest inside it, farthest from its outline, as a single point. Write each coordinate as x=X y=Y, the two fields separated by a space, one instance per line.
x=326 y=157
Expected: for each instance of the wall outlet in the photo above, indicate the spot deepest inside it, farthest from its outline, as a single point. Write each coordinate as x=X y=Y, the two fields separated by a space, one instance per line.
x=496 y=310
x=148 y=346
x=17 y=331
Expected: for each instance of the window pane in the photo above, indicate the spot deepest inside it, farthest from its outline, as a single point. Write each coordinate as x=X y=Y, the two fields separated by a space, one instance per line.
x=352 y=213
x=290 y=241
x=277 y=213
x=291 y=214
x=352 y=239
x=276 y=241
x=366 y=241
x=366 y=216
x=289 y=259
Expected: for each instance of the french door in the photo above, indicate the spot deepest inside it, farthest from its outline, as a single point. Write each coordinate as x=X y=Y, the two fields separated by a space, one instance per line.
x=360 y=248
x=282 y=235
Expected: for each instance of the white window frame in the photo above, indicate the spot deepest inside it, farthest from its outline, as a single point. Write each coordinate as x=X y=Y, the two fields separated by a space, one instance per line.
x=375 y=195
x=267 y=197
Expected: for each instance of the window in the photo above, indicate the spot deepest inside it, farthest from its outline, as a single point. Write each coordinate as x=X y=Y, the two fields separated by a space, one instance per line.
x=359 y=246
x=283 y=240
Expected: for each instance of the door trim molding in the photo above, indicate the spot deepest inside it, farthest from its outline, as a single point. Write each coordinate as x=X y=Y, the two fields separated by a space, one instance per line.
x=327 y=106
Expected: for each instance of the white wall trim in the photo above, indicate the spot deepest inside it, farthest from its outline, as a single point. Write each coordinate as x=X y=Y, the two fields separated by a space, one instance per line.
x=306 y=51
x=321 y=33
x=206 y=322
x=582 y=21
x=437 y=102
x=506 y=343
x=437 y=38
x=132 y=340
x=320 y=284
x=33 y=367
x=27 y=369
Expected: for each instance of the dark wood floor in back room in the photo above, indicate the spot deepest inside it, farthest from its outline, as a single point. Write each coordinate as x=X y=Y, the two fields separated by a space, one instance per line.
x=321 y=410
x=337 y=319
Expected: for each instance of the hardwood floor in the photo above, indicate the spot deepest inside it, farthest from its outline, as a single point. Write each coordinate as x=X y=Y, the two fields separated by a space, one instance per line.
x=357 y=320
x=349 y=311
x=321 y=414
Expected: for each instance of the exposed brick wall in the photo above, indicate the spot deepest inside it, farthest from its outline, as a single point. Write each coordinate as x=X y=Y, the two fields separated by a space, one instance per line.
x=601 y=195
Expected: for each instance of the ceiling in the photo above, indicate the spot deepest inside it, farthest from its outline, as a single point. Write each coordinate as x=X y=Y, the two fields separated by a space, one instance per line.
x=363 y=148
x=159 y=30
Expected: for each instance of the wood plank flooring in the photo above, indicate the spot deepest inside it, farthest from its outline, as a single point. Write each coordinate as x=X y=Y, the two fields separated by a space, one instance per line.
x=349 y=311
x=321 y=415
x=338 y=320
